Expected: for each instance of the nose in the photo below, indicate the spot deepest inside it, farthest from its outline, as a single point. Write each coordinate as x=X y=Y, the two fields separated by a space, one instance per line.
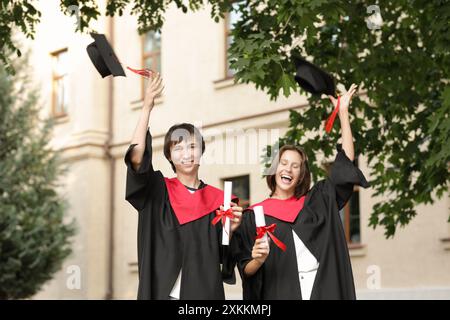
x=187 y=153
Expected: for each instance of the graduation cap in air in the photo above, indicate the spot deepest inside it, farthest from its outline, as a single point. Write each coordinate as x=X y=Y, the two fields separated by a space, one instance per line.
x=316 y=81
x=313 y=79
x=103 y=57
x=105 y=60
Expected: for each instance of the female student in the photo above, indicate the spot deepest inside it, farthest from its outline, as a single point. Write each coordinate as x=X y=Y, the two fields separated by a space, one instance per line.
x=179 y=248
x=315 y=263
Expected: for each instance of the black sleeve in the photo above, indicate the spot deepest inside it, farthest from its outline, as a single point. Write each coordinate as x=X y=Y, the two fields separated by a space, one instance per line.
x=140 y=182
x=228 y=264
x=343 y=176
x=242 y=245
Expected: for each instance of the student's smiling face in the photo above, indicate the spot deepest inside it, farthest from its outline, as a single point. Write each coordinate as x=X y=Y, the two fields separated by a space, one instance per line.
x=288 y=171
x=186 y=155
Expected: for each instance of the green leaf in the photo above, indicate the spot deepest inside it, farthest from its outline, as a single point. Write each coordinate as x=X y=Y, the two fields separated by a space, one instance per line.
x=286 y=82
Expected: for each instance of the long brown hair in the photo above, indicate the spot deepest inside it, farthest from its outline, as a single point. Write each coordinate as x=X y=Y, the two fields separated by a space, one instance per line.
x=304 y=181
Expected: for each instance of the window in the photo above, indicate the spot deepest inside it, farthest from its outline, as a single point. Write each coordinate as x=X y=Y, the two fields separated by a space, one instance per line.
x=350 y=215
x=151 y=54
x=60 y=85
x=230 y=19
x=241 y=189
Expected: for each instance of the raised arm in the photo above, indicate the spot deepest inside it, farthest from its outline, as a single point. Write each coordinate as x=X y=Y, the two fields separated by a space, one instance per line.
x=154 y=89
x=346 y=131
x=344 y=174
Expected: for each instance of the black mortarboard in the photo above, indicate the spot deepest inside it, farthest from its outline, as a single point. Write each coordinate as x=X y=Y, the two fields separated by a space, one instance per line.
x=313 y=79
x=103 y=57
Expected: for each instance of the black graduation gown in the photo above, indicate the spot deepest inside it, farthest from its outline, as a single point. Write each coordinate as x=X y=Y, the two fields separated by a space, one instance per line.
x=165 y=246
x=319 y=227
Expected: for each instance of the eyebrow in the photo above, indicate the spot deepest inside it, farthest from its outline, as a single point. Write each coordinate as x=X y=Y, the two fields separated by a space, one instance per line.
x=177 y=143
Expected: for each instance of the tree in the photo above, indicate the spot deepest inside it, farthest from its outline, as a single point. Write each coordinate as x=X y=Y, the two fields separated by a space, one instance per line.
x=34 y=238
x=402 y=65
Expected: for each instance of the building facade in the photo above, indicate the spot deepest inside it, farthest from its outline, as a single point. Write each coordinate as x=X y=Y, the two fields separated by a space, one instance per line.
x=95 y=121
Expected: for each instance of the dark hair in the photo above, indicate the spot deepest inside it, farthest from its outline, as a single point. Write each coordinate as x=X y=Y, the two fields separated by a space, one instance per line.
x=304 y=181
x=178 y=133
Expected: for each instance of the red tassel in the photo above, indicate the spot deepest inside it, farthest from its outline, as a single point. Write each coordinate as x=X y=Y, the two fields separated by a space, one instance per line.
x=330 y=120
x=142 y=72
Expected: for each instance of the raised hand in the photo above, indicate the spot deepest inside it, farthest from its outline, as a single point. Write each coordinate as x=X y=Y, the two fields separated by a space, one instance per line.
x=345 y=99
x=154 y=89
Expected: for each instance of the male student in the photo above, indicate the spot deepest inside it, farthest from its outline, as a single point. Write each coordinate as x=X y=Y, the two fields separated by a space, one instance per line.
x=180 y=255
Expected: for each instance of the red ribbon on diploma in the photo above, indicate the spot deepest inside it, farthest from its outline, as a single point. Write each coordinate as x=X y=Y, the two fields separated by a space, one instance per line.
x=142 y=72
x=260 y=231
x=330 y=120
x=222 y=215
